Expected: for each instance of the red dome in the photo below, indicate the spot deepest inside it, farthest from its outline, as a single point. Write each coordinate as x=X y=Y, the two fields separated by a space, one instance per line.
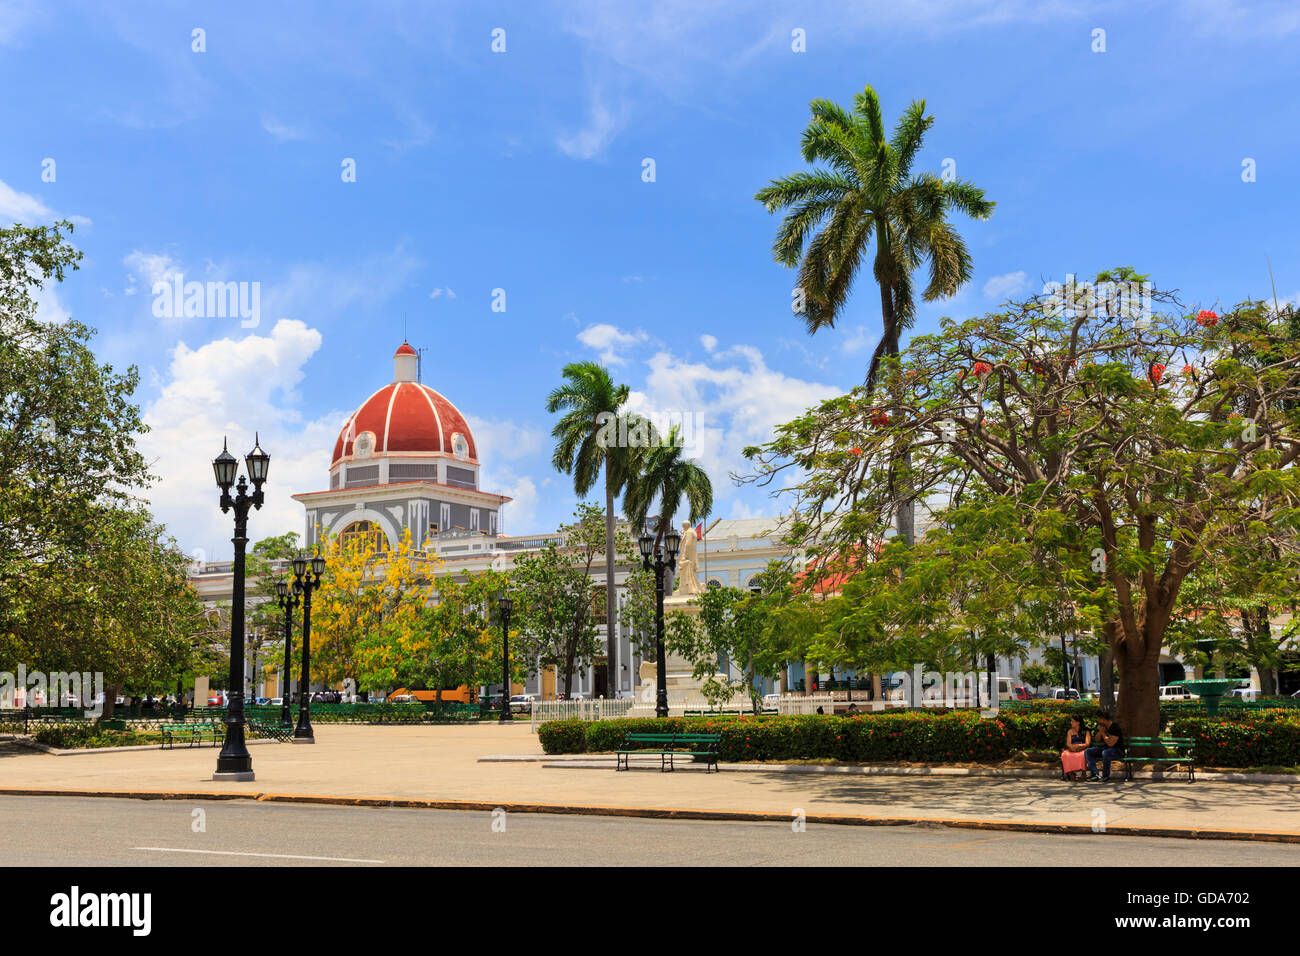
x=405 y=418
x=404 y=349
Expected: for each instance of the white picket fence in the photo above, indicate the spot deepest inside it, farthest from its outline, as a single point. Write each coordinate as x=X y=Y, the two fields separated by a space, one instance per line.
x=598 y=709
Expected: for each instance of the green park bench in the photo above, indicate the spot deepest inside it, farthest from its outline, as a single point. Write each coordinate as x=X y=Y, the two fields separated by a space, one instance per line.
x=271 y=729
x=194 y=732
x=1183 y=754
x=666 y=746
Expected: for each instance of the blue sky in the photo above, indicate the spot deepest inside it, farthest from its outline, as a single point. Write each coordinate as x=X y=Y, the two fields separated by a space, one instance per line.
x=522 y=171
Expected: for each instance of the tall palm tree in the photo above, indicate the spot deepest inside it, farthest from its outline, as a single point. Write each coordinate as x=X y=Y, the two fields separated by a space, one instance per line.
x=867 y=191
x=663 y=474
x=589 y=398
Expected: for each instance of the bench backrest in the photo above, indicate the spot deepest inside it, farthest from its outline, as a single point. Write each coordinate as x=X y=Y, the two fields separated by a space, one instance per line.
x=672 y=738
x=1159 y=742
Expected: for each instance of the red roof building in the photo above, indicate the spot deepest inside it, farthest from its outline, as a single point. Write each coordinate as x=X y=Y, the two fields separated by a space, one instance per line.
x=404 y=460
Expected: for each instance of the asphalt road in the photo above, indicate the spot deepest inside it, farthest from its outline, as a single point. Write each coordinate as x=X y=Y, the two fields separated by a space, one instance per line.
x=71 y=831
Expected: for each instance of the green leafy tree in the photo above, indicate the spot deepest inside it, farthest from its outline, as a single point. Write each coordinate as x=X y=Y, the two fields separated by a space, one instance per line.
x=553 y=594
x=1036 y=675
x=263 y=567
x=1093 y=476
x=67 y=427
x=867 y=192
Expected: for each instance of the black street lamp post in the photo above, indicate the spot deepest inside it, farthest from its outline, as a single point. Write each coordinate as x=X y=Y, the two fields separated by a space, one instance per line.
x=235 y=762
x=665 y=557
x=309 y=580
x=288 y=598
x=505 y=604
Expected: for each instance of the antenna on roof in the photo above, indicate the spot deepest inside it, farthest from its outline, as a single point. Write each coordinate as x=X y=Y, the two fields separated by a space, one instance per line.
x=419 y=364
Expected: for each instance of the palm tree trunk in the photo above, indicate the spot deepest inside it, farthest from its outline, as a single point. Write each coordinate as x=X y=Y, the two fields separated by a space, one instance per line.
x=611 y=626
x=904 y=518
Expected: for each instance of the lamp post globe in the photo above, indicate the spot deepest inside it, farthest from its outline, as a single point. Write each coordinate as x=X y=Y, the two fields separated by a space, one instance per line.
x=235 y=762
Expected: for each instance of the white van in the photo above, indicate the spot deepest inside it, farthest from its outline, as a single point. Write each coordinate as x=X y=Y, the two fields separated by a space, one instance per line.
x=1176 y=692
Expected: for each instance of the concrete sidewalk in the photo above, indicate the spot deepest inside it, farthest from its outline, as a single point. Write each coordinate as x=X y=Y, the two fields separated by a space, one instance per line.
x=441 y=766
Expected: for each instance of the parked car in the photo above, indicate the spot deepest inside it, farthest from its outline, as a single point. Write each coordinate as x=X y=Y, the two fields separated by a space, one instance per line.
x=521 y=704
x=1176 y=692
x=276 y=701
x=1011 y=689
x=1244 y=693
x=217 y=701
x=1064 y=693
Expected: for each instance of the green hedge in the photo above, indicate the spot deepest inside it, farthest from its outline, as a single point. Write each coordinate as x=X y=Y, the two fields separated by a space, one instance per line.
x=1261 y=739
x=916 y=736
x=86 y=736
x=1256 y=740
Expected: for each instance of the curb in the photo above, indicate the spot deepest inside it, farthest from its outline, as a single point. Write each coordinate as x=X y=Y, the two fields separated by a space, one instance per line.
x=605 y=761
x=678 y=813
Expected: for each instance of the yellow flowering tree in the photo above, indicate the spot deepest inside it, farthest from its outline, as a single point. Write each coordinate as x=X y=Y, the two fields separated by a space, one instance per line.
x=453 y=642
x=367 y=587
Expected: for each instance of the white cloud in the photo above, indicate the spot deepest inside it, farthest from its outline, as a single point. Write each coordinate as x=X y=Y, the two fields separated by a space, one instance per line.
x=609 y=340
x=439 y=293
x=1003 y=286
x=233 y=388
x=710 y=342
x=282 y=131
x=858 y=339
x=17 y=16
x=152 y=266
x=503 y=440
x=519 y=515
x=732 y=401
x=602 y=125
x=21 y=207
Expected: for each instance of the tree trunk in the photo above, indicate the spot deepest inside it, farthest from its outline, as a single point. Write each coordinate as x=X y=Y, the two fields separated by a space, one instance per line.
x=568 y=672
x=1138 y=710
x=1106 y=678
x=611 y=626
x=1259 y=639
x=110 y=701
x=905 y=516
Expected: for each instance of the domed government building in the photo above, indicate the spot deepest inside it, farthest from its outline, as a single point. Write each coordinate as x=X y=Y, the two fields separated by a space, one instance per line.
x=405 y=460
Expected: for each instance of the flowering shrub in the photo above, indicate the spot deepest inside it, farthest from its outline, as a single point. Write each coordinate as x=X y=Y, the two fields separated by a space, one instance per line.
x=1262 y=739
x=931 y=735
x=1255 y=739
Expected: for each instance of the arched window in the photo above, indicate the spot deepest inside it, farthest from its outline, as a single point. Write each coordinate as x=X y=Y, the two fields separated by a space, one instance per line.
x=361 y=534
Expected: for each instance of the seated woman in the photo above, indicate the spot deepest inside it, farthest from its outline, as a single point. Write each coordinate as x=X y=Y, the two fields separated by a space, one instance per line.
x=1077 y=739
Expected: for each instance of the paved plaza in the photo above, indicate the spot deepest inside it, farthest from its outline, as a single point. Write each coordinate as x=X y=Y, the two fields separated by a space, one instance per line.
x=442 y=764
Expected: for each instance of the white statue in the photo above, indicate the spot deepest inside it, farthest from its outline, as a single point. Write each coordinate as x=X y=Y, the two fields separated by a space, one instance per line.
x=687 y=577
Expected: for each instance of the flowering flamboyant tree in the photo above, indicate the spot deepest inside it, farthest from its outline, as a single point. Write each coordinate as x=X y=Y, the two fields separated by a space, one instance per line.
x=1069 y=475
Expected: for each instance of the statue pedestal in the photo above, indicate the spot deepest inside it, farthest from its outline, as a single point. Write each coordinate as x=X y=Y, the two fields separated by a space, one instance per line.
x=684 y=690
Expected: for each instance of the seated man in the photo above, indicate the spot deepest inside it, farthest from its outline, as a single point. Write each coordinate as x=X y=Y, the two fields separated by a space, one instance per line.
x=1109 y=746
